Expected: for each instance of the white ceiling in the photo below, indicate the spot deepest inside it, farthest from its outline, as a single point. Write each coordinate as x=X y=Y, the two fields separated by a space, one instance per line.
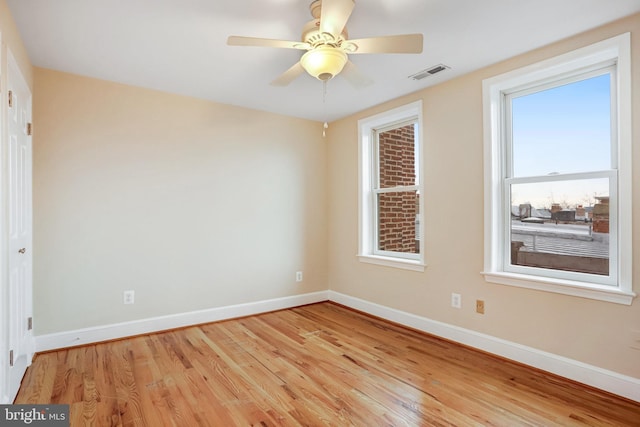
x=179 y=46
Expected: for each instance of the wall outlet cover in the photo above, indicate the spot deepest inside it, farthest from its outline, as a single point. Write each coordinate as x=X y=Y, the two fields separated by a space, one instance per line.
x=456 y=300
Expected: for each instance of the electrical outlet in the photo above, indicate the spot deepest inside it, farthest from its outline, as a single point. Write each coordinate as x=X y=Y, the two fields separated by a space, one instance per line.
x=456 y=300
x=298 y=276
x=129 y=297
x=480 y=306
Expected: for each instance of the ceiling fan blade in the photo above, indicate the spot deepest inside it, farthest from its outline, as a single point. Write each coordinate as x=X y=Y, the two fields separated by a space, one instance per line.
x=354 y=76
x=334 y=16
x=288 y=76
x=405 y=43
x=255 y=41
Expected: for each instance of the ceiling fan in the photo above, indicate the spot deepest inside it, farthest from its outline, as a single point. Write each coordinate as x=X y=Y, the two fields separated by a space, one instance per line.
x=327 y=45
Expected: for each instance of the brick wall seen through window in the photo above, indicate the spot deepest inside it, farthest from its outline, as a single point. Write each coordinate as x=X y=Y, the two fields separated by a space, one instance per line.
x=397 y=211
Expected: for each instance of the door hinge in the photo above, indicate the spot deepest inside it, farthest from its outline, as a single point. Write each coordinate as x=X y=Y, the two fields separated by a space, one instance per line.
x=30 y=323
x=29 y=129
x=11 y=358
x=10 y=99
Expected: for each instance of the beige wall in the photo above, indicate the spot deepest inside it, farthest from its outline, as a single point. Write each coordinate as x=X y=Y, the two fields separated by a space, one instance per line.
x=599 y=333
x=192 y=204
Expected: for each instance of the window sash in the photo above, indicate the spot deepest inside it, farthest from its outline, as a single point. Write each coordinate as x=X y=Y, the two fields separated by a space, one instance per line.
x=376 y=149
x=612 y=278
x=376 y=222
x=607 y=67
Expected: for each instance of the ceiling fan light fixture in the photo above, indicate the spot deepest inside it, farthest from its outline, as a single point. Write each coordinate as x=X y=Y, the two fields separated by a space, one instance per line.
x=324 y=62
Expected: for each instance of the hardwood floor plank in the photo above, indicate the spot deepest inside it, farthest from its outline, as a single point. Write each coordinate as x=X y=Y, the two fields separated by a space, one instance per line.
x=387 y=386
x=95 y=413
x=309 y=368
x=315 y=365
x=438 y=361
x=396 y=379
x=38 y=386
x=243 y=378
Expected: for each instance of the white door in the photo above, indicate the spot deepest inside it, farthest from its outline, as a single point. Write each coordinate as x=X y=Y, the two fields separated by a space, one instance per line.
x=4 y=307
x=19 y=229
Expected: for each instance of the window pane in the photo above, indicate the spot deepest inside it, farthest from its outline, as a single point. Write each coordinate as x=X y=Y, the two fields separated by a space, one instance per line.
x=397 y=157
x=565 y=129
x=398 y=222
x=562 y=225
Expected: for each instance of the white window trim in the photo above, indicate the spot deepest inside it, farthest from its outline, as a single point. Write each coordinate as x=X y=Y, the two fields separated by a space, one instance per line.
x=616 y=49
x=366 y=209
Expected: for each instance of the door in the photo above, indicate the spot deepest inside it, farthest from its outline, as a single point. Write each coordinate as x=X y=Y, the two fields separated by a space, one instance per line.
x=19 y=229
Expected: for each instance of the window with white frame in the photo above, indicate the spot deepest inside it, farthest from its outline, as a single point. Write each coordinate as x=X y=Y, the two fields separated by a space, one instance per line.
x=390 y=188
x=558 y=174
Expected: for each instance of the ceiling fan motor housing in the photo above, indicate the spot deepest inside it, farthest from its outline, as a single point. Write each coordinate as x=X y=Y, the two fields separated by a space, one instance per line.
x=311 y=34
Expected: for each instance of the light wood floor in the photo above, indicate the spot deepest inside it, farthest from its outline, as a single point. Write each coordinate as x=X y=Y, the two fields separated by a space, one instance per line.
x=318 y=365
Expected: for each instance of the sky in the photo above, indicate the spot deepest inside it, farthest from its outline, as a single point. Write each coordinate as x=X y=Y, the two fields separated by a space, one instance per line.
x=565 y=129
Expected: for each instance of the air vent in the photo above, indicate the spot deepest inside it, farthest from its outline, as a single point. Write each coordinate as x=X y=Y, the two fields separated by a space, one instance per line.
x=429 y=72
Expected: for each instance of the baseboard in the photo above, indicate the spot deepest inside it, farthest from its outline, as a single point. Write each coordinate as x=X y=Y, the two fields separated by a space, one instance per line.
x=612 y=382
x=593 y=376
x=156 y=324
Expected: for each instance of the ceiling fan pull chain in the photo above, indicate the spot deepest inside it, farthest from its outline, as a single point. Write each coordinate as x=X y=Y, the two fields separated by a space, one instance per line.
x=324 y=107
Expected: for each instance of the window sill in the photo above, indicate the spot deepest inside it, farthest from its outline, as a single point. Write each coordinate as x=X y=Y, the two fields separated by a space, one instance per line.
x=405 y=264
x=566 y=287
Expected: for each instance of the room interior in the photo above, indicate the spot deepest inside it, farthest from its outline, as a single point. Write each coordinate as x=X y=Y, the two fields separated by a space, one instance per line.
x=207 y=207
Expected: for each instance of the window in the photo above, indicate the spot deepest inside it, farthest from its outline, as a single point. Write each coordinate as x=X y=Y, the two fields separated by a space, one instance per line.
x=390 y=188
x=558 y=174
